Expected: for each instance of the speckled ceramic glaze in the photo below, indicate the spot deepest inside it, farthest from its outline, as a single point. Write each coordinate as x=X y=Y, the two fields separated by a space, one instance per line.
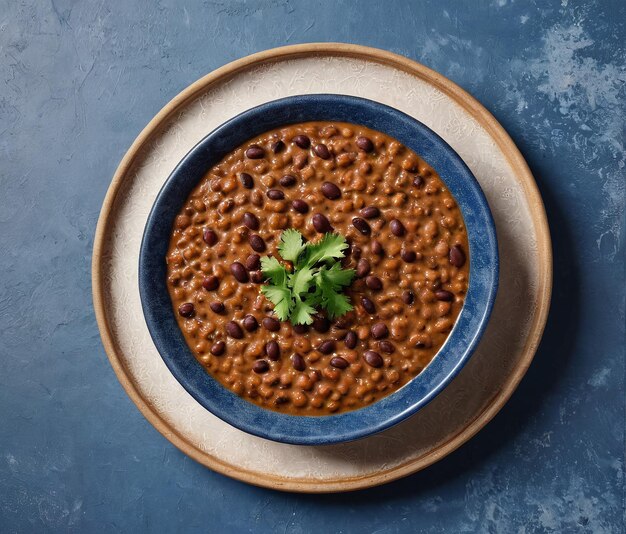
x=306 y=430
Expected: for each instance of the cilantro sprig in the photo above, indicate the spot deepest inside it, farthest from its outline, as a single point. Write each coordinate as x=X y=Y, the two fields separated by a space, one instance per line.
x=316 y=280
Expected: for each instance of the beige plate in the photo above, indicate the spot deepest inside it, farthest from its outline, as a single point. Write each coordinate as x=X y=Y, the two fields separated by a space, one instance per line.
x=466 y=405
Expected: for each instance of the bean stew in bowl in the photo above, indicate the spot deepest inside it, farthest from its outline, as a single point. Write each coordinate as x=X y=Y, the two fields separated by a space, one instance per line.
x=318 y=268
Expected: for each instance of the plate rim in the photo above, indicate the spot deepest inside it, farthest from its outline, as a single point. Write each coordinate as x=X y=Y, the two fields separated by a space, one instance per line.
x=513 y=157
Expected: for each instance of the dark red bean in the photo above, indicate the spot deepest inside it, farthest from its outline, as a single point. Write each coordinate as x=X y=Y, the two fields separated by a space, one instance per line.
x=251 y=220
x=287 y=181
x=386 y=346
x=234 y=330
x=298 y=362
x=326 y=347
x=209 y=236
x=418 y=181
x=408 y=256
x=217 y=307
x=322 y=151
x=302 y=141
x=442 y=294
x=218 y=348
x=321 y=324
x=300 y=328
x=278 y=147
x=239 y=272
x=397 y=228
x=377 y=248
x=186 y=310
x=408 y=297
x=272 y=350
x=257 y=277
x=250 y=323
x=368 y=305
x=300 y=206
x=271 y=324
x=379 y=330
x=257 y=243
x=355 y=251
x=275 y=194
x=339 y=362
x=246 y=180
x=211 y=283
x=361 y=225
x=330 y=191
x=351 y=339
x=371 y=212
x=362 y=268
x=260 y=367
x=321 y=224
x=253 y=262
x=373 y=358
x=374 y=283
x=365 y=144
x=457 y=256
x=255 y=152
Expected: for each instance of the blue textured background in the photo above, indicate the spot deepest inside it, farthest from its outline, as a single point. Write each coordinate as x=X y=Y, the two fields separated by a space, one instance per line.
x=79 y=80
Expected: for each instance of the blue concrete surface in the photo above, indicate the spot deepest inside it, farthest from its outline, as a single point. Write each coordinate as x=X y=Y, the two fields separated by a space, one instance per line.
x=79 y=80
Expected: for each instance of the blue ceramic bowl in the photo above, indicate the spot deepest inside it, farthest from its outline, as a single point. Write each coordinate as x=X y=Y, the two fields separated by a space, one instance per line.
x=309 y=430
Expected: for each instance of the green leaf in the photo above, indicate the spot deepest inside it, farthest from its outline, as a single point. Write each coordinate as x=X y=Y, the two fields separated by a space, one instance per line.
x=338 y=276
x=328 y=281
x=302 y=312
x=301 y=280
x=336 y=304
x=274 y=270
x=291 y=245
x=281 y=298
x=331 y=246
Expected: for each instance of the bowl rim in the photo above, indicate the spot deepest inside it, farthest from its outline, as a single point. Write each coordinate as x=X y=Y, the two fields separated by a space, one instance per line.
x=390 y=410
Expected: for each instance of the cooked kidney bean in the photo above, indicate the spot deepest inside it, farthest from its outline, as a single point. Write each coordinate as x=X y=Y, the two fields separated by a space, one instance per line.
x=397 y=228
x=326 y=347
x=234 y=330
x=457 y=256
x=246 y=180
x=257 y=243
x=364 y=143
x=271 y=324
x=300 y=206
x=351 y=339
x=209 y=236
x=210 y=283
x=321 y=223
x=404 y=323
x=371 y=212
x=361 y=225
x=218 y=348
x=298 y=362
x=186 y=310
x=330 y=191
x=302 y=141
x=239 y=272
x=251 y=220
x=386 y=346
x=379 y=330
x=322 y=151
x=255 y=152
x=339 y=362
x=217 y=307
x=442 y=294
x=260 y=366
x=275 y=194
x=368 y=305
x=278 y=147
x=253 y=262
x=374 y=283
x=250 y=323
x=288 y=180
x=373 y=358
